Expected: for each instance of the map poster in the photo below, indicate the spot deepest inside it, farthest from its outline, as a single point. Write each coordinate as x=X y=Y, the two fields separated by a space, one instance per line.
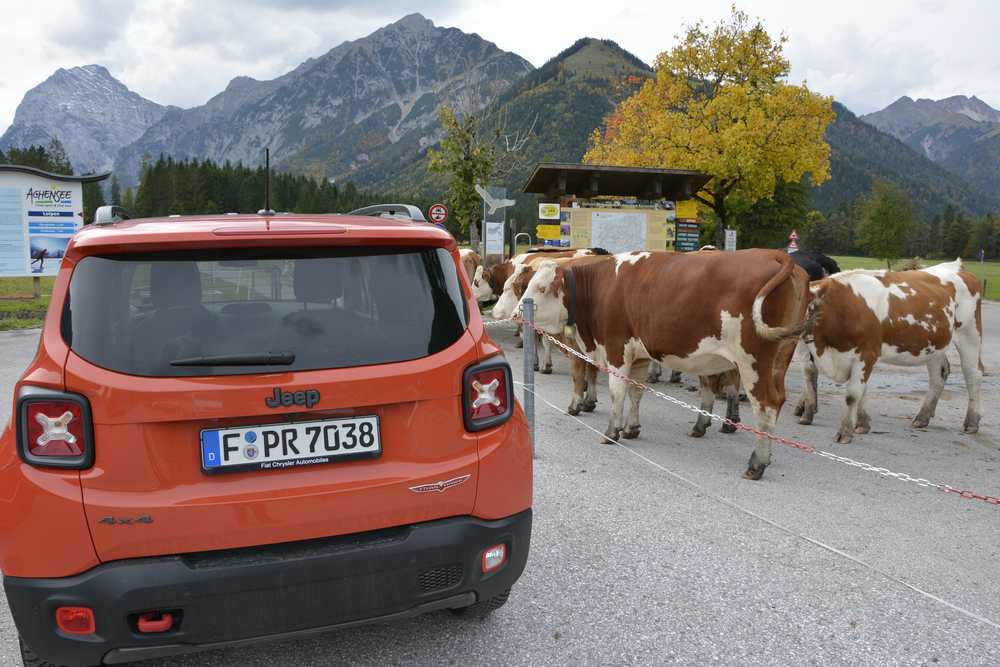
x=618 y=231
x=38 y=217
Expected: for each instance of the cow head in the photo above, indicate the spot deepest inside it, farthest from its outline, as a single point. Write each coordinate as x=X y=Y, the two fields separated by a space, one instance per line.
x=547 y=289
x=481 y=286
x=508 y=301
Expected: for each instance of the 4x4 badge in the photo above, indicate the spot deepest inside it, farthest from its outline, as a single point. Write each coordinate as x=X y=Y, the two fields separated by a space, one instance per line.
x=440 y=487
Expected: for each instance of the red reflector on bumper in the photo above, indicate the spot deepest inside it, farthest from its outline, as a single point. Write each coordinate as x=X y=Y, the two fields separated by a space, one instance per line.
x=494 y=558
x=76 y=620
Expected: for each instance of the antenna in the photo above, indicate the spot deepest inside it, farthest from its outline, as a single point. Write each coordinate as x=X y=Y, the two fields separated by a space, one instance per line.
x=267 y=184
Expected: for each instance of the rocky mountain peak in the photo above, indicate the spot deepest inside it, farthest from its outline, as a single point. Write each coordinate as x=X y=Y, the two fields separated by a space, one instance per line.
x=90 y=111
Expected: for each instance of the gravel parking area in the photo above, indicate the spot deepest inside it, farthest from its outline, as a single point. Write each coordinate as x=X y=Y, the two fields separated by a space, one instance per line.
x=660 y=552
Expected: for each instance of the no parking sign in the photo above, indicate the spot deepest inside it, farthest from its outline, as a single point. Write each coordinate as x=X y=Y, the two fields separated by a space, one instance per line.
x=438 y=213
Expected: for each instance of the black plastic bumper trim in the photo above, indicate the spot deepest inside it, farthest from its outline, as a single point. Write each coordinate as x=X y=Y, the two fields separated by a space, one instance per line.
x=125 y=655
x=258 y=594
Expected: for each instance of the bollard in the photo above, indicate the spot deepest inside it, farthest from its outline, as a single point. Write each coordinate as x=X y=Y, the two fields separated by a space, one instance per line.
x=528 y=335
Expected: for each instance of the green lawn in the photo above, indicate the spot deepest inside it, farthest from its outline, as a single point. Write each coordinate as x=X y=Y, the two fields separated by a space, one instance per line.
x=18 y=308
x=990 y=271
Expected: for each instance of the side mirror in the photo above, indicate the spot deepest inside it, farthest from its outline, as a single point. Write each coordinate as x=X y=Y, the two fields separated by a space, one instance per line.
x=109 y=215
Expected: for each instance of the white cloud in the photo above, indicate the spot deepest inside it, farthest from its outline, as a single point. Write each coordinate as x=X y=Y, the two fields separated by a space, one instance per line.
x=183 y=52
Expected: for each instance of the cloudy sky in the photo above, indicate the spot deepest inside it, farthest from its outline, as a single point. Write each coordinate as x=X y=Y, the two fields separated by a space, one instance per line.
x=864 y=52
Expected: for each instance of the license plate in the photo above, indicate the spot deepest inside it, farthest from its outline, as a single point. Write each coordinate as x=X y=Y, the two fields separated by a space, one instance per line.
x=282 y=446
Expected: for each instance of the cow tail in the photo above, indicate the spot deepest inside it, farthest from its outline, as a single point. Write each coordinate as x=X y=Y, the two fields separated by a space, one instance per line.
x=764 y=330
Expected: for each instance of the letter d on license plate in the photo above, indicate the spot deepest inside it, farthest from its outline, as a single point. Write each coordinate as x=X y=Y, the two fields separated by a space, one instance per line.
x=280 y=446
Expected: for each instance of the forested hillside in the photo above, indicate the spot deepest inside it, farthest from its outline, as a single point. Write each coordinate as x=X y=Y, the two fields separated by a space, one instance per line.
x=860 y=153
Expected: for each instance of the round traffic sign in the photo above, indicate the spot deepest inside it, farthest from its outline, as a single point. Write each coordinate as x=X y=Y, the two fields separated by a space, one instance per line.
x=438 y=213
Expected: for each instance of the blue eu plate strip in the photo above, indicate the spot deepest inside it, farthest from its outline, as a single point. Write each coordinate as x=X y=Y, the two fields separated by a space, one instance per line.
x=210 y=457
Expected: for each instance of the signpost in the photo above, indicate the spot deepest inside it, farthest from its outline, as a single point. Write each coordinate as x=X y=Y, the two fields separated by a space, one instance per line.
x=731 y=240
x=495 y=205
x=793 y=241
x=438 y=213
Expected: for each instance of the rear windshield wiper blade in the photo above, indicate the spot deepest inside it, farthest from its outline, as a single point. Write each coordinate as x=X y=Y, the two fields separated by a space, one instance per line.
x=254 y=359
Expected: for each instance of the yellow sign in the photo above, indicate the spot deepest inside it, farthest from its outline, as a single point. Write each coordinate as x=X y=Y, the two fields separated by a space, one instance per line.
x=550 y=232
x=548 y=212
x=687 y=209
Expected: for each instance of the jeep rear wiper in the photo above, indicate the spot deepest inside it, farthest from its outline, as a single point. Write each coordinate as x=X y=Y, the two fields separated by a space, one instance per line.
x=253 y=359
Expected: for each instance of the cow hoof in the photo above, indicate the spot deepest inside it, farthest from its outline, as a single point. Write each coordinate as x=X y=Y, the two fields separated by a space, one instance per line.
x=844 y=437
x=799 y=409
x=697 y=432
x=573 y=410
x=611 y=436
x=920 y=422
x=806 y=418
x=971 y=424
x=862 y=429
x=727 y=428
x=536 y=367
x=631 y=433
x=755 y=470
x=589 y=406
x=547 y=370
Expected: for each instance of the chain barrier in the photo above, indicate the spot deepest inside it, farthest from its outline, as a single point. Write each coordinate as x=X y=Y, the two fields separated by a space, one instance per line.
x=788 y=442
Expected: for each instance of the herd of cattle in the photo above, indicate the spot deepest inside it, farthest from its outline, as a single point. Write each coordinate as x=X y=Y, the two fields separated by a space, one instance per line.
x=735 y=320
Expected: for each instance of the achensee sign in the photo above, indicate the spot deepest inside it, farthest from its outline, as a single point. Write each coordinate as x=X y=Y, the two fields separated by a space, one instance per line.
x=39 y=213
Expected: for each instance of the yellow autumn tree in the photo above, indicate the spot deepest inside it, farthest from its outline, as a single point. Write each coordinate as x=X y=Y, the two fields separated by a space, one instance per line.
x=720 y=103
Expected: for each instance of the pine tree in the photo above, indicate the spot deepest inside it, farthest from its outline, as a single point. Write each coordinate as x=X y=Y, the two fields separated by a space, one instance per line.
x=116 y=191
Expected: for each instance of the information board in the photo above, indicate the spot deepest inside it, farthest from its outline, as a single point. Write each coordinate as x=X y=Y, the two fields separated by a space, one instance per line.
x=37 y=218
x=618 y=231
x=494 y=238
x=688 y=236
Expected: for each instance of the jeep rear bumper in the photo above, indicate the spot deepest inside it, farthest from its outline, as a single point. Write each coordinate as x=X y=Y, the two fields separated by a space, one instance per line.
x=277 y=591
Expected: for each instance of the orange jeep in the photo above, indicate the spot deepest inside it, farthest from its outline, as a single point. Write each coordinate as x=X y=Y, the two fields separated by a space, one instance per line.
x=251 y=427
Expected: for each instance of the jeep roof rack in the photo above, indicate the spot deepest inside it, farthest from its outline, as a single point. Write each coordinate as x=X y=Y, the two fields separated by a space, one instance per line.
x=109 y=215
x=403 y=211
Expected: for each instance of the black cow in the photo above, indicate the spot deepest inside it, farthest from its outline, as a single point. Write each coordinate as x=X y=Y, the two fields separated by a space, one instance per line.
x=816 y=264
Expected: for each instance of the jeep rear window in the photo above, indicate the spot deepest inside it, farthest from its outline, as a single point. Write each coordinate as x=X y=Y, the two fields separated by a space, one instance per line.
x=140 y=314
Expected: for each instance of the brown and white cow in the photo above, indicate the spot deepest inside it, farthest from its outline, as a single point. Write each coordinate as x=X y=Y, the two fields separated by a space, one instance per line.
x=904 y=318
x=471 y=261
x=702 y=313
x=488 y=283
x=584 y=375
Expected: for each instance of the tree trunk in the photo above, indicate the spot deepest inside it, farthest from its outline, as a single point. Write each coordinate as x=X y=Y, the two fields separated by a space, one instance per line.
x=721 y=218
x=474 y=235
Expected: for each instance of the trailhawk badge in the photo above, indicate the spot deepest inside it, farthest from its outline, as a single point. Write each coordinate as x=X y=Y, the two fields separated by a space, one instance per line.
x=442 y=486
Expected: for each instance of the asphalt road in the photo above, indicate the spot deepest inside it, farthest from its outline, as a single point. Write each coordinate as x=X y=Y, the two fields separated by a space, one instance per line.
x=662 y=554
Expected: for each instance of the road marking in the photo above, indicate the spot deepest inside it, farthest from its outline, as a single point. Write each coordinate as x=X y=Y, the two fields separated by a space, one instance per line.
x=789 y=531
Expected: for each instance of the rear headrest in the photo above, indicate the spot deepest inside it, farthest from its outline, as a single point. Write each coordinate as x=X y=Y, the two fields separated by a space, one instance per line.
x=319 y=280
x=174 y=284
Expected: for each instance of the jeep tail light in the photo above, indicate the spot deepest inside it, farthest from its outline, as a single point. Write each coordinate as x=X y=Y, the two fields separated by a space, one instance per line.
x=54 y=429
x=488 y=395
x=76 y=620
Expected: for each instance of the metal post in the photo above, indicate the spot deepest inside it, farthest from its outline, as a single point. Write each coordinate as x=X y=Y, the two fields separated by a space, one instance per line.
x=36 y=284
x=528 y=335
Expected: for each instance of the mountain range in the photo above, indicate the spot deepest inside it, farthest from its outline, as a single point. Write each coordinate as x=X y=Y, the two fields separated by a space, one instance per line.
x=366 y=111
x=962 y=134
